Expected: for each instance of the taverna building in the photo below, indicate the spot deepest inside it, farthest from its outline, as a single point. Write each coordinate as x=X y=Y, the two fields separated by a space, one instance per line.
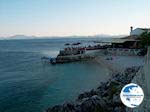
x=138 y=31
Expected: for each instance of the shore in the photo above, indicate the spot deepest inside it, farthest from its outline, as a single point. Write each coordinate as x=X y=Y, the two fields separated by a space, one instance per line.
x=119 y=63
x=105 y=98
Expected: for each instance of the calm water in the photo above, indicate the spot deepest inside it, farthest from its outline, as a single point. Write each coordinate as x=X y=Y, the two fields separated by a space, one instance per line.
x=29 y=85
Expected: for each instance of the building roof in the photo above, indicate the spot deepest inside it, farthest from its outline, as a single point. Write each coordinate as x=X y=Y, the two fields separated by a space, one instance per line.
x=144 y=28
x=118 y=40
x=131 y=37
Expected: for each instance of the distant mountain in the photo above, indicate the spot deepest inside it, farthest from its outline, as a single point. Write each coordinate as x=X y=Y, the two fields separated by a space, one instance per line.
x=21 y=37
x=112 y=36
x=46 y=37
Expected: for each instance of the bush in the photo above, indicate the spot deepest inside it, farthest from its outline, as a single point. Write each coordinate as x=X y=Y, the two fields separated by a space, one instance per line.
x=145 y=39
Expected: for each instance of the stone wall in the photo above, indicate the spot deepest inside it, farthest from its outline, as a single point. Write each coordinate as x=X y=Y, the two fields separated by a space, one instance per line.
x=143 y=79
x=123 y=51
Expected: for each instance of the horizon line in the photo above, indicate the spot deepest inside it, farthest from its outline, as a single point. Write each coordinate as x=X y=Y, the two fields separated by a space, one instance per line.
x=24 y=35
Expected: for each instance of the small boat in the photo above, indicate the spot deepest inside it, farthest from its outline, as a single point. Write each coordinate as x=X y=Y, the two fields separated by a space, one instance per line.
x=78 y=43
x=67 y=44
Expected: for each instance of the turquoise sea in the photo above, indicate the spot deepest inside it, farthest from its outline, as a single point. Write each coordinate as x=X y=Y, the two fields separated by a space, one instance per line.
x=29 y=85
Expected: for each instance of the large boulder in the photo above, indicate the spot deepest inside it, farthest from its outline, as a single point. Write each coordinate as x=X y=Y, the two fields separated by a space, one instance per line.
x=94 y=104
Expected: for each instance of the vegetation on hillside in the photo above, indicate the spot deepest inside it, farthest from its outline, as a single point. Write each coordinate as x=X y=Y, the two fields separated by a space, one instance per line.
x=144 y=42
x=145 y=39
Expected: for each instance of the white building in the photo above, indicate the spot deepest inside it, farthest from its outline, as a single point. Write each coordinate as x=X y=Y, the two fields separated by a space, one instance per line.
x=138 y=31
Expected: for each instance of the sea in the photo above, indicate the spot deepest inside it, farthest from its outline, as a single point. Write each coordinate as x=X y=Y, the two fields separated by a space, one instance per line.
x=28 y=84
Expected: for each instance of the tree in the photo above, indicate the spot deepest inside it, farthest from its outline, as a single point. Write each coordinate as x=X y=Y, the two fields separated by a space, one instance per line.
x=145 y=39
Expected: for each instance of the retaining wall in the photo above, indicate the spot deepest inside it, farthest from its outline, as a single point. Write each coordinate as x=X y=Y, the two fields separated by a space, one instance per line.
x=143 y=79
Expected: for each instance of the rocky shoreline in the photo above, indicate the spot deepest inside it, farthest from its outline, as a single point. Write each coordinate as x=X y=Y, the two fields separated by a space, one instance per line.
x=105 y=98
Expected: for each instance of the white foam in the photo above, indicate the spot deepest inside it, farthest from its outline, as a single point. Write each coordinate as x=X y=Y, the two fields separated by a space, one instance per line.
x=50 y=53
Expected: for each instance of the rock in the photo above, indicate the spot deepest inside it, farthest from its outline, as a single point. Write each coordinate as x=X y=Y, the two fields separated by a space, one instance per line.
x=87 y=94
x=106 y=98
x=116 y=100
x=93 y=104
x=117 y=109
x=57 y=108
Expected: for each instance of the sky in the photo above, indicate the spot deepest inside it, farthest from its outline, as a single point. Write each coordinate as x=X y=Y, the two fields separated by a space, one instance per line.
x=72 y=17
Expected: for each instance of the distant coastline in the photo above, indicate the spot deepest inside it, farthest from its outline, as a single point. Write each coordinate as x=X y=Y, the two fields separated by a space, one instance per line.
x=19 y=37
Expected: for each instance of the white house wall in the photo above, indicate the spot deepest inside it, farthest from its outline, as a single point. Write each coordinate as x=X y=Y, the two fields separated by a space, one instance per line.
x=137 y=32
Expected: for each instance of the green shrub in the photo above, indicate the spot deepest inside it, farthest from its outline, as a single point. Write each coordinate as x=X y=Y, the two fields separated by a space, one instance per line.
x=145 y=39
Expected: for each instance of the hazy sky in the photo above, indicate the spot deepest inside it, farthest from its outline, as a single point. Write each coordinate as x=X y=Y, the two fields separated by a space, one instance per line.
x=72 y=17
